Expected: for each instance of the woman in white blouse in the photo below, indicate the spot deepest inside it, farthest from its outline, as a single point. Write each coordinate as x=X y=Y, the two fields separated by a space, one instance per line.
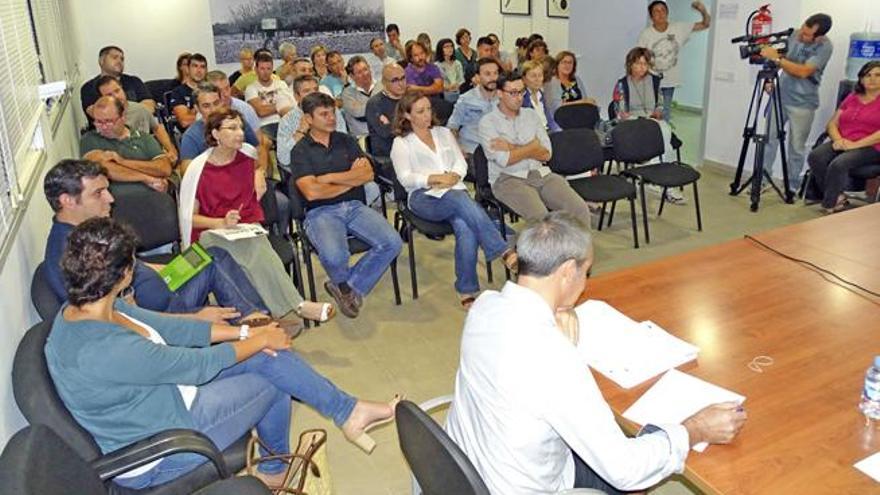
x=430 y=166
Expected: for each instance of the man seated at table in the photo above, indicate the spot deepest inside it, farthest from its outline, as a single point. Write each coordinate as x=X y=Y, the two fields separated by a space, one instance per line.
x=77 y=190
x=526 y=409
x=516 y=145
x=137 y=116
x=180 y=100
x=269 y=96
x=128 y=155
x=330 y=170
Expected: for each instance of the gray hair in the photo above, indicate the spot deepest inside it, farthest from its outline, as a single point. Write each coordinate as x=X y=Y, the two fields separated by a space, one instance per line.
x=286 y=48
x=203 y=88
x=215 y=75
x=548 y=243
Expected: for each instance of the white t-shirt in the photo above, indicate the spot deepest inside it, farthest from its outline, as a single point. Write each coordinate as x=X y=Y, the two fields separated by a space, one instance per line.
x=277 y=93
x=666 y=47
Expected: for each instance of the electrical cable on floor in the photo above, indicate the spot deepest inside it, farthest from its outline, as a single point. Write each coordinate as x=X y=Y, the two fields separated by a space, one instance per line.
x=813 y=265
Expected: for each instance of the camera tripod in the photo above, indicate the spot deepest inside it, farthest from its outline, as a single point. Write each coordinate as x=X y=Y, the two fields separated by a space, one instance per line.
x=751 y=134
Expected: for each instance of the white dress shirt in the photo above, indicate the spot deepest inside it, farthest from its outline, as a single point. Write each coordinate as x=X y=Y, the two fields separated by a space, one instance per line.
x=524 y=399
x=414 y=161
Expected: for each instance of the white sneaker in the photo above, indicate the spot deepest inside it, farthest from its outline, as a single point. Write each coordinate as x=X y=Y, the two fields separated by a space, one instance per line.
x=673 y=195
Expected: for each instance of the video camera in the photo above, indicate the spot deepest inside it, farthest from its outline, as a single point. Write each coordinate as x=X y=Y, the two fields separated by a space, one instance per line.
x=751 y=48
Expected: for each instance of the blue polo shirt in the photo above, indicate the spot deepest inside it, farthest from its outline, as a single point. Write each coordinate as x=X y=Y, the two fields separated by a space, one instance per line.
x=804 y=93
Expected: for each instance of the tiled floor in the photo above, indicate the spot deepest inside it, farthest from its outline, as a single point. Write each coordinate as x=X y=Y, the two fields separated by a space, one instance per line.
x=413 y=348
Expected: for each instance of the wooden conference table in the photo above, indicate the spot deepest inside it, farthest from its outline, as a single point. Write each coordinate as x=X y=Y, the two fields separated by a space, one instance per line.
x=737 y=301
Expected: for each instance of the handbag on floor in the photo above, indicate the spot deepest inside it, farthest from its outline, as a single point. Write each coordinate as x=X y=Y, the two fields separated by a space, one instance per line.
x=307 y=469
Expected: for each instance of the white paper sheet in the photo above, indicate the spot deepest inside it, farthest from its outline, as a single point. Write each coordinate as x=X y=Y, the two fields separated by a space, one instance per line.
x=627 y=352
x=870 y=465
x=675 y=397
x=240 y=231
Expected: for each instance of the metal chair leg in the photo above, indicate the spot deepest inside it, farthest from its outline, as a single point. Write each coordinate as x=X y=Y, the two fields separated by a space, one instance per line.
x=644 y=211
x=412 y=261
x=697 y=205
x=489 y=276
x=632 y=217
x=395 y=282
x=611 y=216
x=602 y=216
x=662 y=201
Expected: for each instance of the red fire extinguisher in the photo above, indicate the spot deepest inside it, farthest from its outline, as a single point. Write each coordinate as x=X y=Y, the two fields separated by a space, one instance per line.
x=760 y=23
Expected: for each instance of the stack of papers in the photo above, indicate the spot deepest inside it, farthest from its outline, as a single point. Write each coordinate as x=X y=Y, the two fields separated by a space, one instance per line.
x=626 y=351
x=240 y=231
x=675 y=397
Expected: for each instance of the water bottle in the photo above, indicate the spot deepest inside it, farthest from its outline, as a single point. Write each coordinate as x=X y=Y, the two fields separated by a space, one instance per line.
x=870 y=403
x=863 y=48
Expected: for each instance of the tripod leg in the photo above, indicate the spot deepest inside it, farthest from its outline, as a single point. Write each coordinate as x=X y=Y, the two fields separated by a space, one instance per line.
x=780 y=132
x=747 y=136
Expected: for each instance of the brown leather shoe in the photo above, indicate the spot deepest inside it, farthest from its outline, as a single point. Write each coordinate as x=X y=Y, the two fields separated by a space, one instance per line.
x=346 y=302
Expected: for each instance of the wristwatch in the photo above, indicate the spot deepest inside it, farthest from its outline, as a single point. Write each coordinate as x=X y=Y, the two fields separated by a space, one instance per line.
x=244 y=332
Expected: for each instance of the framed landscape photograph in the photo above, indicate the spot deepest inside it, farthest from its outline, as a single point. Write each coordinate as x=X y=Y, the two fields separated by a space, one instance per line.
x=558 y=8
x=516 y=7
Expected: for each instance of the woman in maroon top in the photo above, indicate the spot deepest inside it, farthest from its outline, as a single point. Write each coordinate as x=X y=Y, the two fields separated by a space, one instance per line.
x=855 y=141
x=227 y=193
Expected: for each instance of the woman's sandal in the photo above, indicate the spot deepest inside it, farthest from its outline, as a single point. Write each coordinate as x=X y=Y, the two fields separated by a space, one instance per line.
x=327 y=312
x=361 y=438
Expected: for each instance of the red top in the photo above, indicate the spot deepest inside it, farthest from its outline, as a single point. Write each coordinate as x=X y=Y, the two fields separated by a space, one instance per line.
x=858 y=120
x=228 y=187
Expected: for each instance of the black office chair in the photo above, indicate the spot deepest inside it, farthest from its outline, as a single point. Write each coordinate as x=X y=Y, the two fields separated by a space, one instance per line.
x=42 y=296
x=438 y=464
x=383 y=171
x=576 y=151
x=639 y=140
x=577 y=116
x=483 y=191
x=355 y=245
x=407 y=223
x=36 y=461
x=282 y=243
x=38 y=400
x=152 y=215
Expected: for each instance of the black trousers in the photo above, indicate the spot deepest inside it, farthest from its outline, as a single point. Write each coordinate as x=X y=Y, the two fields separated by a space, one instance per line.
x=830 y=169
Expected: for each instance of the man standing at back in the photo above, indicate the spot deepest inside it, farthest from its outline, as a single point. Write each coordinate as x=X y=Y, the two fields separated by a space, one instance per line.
x=526 y=409
x=111 y=59
x=330 y=170
x=802 y=68
x=666 y=40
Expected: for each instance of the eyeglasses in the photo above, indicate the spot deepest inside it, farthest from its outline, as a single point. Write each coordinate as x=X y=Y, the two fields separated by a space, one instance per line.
x=107 y=122
x=395 y=80
x=515 y=94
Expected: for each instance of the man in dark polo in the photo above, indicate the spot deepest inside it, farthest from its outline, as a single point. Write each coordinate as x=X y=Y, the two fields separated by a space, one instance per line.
x=111 y=59
x=330 y=171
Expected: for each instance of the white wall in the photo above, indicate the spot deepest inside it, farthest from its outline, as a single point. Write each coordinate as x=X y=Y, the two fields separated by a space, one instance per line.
x=154 y=32
x=15 y=274
x=605 y=33
x=728 y=99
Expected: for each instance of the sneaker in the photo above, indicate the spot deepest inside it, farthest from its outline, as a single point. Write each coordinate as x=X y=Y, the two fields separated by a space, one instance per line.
x=674 y=196
x=348 y=302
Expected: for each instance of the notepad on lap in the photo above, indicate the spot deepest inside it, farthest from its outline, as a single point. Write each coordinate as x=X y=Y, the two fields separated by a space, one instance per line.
x=626 y=351
x=240 y=231
x=675 y=397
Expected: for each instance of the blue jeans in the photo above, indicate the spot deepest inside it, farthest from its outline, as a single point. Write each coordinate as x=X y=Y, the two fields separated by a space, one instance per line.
x=667 y=94
x=328 y=228
x=226 y=280
x=473 y=229
x=254 y=392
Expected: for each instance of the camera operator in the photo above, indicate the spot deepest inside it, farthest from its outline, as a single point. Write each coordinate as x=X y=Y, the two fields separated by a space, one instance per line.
x=802 y=67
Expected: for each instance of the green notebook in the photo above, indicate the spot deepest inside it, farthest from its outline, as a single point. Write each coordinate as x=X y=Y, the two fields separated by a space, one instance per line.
x=185 y=266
